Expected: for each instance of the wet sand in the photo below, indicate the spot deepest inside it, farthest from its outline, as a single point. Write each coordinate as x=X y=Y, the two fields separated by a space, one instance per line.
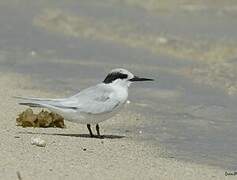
x=71 y=154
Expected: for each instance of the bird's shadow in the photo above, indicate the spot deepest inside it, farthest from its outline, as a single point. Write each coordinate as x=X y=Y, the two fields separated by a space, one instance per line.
x=77 y=135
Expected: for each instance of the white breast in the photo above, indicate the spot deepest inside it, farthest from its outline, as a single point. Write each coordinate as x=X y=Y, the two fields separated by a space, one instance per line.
x=119 y=95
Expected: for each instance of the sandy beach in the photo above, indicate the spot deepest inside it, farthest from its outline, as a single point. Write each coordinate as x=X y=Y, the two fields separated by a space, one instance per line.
x=70 y=154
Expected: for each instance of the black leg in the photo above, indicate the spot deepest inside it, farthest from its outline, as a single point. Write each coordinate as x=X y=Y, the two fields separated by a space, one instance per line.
x=90 y=131
x=98 y=131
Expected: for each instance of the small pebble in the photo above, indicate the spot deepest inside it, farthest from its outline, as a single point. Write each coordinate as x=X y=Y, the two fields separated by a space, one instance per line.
x=84 y=149
x=38 y=142
x=162 y=40
x=32 y=53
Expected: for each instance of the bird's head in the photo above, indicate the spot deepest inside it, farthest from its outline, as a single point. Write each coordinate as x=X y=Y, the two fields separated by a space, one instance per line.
x=122 y=77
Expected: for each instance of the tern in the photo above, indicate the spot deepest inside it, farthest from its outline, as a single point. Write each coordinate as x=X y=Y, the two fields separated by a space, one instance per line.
x=94 y=104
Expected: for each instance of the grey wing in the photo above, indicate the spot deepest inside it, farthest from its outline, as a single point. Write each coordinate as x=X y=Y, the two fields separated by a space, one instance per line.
x=94 y=100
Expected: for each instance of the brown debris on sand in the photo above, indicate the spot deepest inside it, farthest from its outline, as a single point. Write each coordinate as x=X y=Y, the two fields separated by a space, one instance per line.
x=43 y=119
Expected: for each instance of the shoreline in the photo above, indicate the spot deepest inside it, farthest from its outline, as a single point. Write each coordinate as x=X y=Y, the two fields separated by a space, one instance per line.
x=69 y=154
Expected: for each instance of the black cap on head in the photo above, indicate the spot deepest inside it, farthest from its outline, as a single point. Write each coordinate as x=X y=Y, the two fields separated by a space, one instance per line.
x=113 y=76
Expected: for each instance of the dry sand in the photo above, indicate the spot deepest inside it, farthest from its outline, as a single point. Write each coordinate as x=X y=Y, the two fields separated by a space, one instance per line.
x=70 y=155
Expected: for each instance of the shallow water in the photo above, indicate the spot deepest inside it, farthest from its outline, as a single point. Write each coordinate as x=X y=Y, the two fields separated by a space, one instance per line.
x=189 y=48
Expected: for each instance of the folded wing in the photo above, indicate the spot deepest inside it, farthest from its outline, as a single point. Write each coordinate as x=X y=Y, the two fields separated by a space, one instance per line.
x=94 y=100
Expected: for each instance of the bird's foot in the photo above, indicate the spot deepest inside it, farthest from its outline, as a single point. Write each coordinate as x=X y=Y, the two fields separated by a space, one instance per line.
x=92 y=135
x=100 y=136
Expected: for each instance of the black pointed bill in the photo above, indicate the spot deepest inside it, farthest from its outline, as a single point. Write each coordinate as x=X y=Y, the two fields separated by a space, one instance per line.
x=136 y=78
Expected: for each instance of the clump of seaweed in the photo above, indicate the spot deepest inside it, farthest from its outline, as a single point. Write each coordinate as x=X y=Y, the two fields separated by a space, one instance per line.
x=43 y=119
